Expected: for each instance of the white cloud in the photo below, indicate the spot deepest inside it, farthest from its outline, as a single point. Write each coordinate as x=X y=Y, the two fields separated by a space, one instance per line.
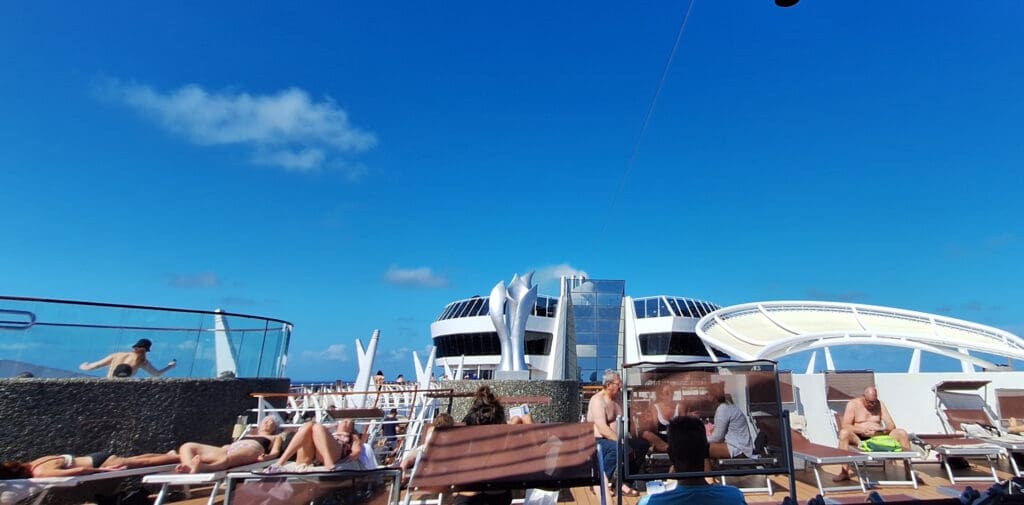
x=198 y=280
x=17 y=347
x=334 y=352
x=548 y=276
x=422 y=277
x=287 y=129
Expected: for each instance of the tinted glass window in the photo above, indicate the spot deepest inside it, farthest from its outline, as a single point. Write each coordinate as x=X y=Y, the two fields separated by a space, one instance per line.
x=694 y=312
x=538 y=343
x=674 y=307
x=675 y=343
x=662 y=308
x=470 y=344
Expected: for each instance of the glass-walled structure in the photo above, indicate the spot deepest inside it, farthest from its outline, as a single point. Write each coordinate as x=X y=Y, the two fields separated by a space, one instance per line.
x=51 y=338
x=597 y=316
x=591 y=326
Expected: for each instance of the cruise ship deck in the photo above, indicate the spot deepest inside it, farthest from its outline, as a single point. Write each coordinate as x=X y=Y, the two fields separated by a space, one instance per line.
x=934 y=487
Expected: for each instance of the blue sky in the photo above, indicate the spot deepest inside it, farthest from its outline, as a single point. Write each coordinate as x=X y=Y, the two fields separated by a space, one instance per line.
x=349 y=167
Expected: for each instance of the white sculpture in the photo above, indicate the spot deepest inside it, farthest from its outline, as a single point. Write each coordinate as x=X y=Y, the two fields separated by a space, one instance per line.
x=509 y=309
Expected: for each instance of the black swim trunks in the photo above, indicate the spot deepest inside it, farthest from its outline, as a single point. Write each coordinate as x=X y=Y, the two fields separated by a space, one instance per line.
x=98 y=458
x=122 y=370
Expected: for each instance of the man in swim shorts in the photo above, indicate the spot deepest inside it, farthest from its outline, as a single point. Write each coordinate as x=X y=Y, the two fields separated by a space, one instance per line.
x=864 y=418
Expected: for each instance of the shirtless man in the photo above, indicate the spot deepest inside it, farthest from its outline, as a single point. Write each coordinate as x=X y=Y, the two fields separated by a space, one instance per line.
x=125 y=364
x=603 y=410
x=864 y=418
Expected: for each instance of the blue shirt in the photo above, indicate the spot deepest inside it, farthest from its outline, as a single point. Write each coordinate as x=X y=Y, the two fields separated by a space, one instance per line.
x=696 y=495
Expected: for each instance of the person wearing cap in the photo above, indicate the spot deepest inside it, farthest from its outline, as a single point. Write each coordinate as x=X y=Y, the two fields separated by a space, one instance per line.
x=125 y=364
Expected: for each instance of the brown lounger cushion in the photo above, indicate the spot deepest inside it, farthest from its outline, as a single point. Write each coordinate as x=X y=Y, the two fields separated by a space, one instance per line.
x=957 y=417
x=1011 y=403
x=509 y=456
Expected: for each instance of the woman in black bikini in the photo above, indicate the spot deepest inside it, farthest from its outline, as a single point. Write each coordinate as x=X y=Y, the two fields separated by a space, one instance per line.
x=67 y=465
x=314 y=443
x=265 y=444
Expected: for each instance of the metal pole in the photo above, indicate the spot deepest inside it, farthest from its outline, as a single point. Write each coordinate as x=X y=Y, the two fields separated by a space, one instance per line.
x=787 y=451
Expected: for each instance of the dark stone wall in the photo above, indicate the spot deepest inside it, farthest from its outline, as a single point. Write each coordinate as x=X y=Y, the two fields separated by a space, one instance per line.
x=131 y=416
x=565 y=397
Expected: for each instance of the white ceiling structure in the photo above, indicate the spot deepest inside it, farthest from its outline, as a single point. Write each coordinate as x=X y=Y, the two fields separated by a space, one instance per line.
x=772 y=330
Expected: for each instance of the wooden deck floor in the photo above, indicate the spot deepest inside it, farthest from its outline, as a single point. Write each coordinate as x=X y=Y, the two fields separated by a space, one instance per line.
x=933 y=486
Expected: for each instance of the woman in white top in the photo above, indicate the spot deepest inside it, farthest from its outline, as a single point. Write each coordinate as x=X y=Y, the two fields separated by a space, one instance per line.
x=662 y=410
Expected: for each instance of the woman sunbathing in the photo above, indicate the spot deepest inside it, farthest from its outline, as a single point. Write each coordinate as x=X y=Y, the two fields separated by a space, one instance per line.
x=264 y=445
x=67 y=465
x=313 y=443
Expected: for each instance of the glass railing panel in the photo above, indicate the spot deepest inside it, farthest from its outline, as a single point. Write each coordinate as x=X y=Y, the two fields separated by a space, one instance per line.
x=51 y=338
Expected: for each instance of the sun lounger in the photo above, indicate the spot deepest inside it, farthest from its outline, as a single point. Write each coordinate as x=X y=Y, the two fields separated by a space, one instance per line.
x=840 y=388
x=957 y=446
x=17 y=490
x=509 y=456
x=817 y=455
x=1011 y=403
x=744 y=463
x=962 y=410
x=169 y=480
x=353 y=487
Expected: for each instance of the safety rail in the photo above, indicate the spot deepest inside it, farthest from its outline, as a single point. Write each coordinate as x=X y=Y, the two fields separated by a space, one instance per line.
x=50 y=338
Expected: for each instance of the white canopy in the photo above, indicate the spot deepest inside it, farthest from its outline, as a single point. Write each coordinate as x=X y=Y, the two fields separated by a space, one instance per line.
x=771 y=330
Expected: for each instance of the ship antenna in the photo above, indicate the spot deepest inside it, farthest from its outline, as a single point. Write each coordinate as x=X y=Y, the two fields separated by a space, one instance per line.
x=649 y=113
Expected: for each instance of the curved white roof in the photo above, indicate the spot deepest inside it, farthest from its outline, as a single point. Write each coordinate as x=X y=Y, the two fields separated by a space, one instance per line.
x=771 y=330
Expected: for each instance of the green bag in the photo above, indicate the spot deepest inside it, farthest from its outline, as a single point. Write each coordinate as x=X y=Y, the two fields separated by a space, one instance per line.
x=881 y=443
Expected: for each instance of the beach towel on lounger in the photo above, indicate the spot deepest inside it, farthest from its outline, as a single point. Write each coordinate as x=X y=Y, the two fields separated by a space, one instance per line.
x=881 y=443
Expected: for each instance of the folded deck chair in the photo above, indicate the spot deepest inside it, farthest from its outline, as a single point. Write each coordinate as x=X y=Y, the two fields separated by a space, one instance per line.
x=18 y=490
x=168 y=480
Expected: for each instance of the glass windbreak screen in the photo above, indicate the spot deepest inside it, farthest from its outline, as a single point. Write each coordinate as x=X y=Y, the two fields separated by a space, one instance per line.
x=732 y=405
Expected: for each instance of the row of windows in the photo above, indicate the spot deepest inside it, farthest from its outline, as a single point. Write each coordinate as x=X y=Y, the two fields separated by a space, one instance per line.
x=478 y=306
x=664 y=306
x=487 y=344
x=657 y=306
x=676 y=343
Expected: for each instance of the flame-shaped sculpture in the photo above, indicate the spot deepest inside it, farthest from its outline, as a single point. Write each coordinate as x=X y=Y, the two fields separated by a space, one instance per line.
x=509 y=309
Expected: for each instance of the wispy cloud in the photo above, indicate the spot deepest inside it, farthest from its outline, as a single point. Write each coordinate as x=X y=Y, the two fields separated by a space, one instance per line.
x=422 y=277
x=197 y=280
x=400 y=354
x=238 y=300
x=334 y=352
x=548 y=277
x=286 y=129
x=16 y=347
x=968 y=306
x=987 y=245
x=842 y=296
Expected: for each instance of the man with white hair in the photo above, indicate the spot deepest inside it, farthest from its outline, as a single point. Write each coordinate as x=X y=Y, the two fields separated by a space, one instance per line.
x=604 y=409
